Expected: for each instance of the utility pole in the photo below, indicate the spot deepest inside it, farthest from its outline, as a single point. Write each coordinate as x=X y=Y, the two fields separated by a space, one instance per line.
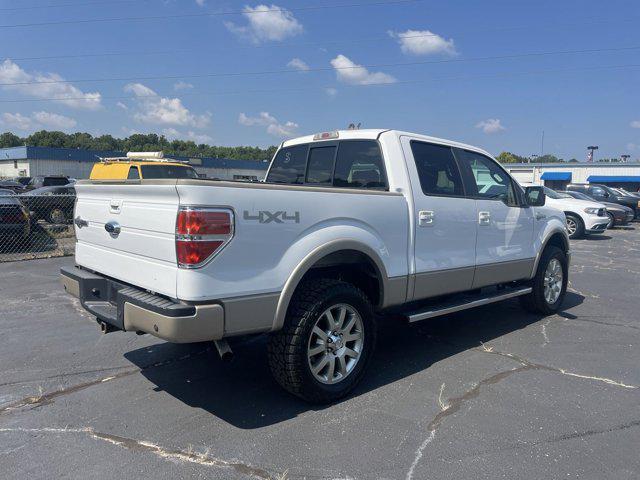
x=591 y=149
x=542 y=145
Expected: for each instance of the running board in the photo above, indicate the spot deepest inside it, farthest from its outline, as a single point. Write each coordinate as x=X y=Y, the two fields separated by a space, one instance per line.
x=469 y=301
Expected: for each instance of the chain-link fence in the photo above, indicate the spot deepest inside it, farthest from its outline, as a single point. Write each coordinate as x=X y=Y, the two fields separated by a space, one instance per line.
x=38 y=225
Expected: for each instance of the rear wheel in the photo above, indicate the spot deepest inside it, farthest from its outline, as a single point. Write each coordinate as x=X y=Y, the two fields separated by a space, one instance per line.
x=326 y=342
x=549 y=286
x=575 y=227
x=56 y=216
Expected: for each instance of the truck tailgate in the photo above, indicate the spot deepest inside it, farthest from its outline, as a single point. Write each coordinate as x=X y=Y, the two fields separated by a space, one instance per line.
x=143 y=252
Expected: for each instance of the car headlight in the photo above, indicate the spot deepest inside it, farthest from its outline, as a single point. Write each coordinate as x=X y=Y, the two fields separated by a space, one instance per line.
x=591 y=211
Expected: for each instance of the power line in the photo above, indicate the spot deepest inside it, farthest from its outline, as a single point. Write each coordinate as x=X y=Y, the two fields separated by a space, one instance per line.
x=211 y=14
x=63 y=5
x=305 y=89
x=582 y=24
x=319 y=69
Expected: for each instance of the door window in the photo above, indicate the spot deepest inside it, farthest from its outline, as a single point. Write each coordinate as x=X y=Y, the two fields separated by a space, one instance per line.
x=437 y=169
x=289 y=165
x=487 y=179
x=597 y=191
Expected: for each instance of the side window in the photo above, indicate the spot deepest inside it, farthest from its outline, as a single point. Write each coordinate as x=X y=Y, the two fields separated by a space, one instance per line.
x=437 y=169
x=359 y=165
x=133 y=174
x=320 y=165
x=597 y=191
x=487 y=179
x=289 y=165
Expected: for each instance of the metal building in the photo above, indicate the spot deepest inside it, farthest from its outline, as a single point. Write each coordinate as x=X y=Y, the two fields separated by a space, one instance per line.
x=558 y=175
x=75 y=163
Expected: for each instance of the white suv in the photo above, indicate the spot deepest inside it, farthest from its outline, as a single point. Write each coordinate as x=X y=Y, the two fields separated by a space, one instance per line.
x=583 y=217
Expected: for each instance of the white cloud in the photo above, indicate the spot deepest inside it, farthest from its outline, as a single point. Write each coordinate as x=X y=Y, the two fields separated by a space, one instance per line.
x=349 y=72
x=53 y=120
x=17 y=120
x=490 y=125
x=201 y=3
x=332 y=92
x=424 y=42
x=266 y=23
x=298 y=64
x=173 y=134
x=265 y=119
x=38 y=120
x=64 y=93
x=635 y=124
x=182 y=85
x=122 y=106
x=158 y=110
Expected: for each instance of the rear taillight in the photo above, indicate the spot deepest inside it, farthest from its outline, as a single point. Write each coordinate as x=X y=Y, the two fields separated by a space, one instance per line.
x=201 y=233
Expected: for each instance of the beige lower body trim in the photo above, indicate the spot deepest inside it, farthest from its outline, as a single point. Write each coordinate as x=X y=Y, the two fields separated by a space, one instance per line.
x=502 y=272
x=433 y=284
x=70 y=285
x=207 y=324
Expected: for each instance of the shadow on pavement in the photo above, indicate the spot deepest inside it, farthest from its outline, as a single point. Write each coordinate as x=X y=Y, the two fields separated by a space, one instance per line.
x=244 y=394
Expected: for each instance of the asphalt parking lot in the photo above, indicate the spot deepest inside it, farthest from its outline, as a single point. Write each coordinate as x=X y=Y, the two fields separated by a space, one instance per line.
x=488 y=393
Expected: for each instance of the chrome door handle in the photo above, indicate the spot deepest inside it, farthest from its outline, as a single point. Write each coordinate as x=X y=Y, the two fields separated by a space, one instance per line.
x=484 y=218
x=425 y=217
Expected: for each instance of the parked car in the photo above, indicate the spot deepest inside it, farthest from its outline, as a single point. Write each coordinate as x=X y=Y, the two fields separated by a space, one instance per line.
x=584 y=217
x=24 y=181
x=14 y=218
x=141 y=165
x=606 y=194
x=626 y=193
x=12 y=185
x=47 y=181
x=346 y=224
x=52 y=204
x=618 y=214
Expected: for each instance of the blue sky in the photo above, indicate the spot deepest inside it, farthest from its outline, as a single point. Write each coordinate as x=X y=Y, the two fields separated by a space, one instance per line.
x=426 y=70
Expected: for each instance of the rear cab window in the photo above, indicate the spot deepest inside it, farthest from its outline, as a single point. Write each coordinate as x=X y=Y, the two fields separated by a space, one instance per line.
x=342 y=164
x=167 y=171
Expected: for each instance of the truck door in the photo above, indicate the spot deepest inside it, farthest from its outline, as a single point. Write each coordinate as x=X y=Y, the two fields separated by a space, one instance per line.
x=444 y=221
x=504 y=246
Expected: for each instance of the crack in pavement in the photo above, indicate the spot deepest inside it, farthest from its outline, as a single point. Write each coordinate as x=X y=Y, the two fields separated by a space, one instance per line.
x=187 y=456
x=453 y=405
x=35 y=401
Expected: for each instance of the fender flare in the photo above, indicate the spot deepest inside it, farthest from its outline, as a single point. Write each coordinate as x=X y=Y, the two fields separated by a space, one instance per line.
x=553 y=232
x=314 y=256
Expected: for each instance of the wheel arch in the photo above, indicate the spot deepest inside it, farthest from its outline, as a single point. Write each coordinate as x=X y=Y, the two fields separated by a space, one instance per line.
x=336 y=254
x=557 y=238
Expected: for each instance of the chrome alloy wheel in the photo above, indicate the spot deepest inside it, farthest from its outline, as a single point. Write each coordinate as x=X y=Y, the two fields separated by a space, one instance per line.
x=553 y=278
x=571 y=226
x=335 y=345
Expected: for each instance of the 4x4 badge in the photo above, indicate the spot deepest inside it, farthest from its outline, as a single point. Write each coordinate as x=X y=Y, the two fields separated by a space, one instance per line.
x=265 y=216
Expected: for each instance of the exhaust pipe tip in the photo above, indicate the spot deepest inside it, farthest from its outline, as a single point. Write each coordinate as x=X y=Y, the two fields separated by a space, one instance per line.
x=224 y=350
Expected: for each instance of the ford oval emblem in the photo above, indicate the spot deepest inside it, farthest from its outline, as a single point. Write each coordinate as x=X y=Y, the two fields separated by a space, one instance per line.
x=113 y=228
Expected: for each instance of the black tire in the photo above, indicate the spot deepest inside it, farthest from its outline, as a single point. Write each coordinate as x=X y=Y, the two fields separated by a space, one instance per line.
x=579 y=226
x=56 y=216
x=288 y=347
x=535 y=302
x=612 y=220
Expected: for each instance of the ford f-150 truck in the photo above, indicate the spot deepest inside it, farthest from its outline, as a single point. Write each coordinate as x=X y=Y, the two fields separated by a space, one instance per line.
x=347 y=226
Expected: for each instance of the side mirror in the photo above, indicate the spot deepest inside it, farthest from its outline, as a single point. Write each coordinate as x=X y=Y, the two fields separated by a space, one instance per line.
x=535 y=196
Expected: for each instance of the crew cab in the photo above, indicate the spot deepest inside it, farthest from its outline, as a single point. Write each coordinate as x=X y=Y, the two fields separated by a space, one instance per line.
x=348 y=226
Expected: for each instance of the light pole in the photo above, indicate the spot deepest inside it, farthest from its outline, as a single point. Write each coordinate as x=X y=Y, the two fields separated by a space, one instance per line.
x=592 y=149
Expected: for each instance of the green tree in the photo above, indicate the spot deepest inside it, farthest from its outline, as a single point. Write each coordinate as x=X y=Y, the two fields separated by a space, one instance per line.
x=8 y=139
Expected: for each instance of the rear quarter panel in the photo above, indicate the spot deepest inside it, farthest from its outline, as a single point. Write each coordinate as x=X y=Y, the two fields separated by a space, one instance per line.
x=268 y=246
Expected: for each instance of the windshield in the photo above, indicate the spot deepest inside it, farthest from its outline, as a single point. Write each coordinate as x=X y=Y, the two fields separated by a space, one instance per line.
x=581 y=196
x=552 y=193
x=167 y=171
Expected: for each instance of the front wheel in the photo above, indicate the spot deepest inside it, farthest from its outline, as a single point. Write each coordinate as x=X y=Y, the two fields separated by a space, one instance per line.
x=326 y=342
x=575 y=227
x=549 y=286
x=612 y=220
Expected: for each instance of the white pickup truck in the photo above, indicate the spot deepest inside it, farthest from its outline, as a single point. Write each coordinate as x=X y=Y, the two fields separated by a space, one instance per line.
x=348 y=226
